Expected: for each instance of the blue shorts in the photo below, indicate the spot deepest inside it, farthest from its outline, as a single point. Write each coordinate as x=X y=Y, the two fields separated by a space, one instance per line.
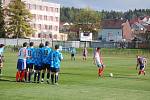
x=55 y=70
x=36 y=67
x=30 y=66
x=46 y=66
x=142 y=67
x=21 y=64
x=51 y=69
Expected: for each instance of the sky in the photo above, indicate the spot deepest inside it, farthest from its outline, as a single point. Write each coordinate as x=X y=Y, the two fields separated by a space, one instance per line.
x=108 y=5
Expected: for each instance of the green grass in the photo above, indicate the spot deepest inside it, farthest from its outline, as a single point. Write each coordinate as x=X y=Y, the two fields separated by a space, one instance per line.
x=78 y=80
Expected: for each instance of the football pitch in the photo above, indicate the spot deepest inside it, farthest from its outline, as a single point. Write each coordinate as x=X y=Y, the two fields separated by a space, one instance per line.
x=78 y=80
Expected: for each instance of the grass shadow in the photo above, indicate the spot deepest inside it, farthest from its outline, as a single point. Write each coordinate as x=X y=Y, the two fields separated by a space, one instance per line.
x=129 y=76
x=7 y=78
x=72 y=74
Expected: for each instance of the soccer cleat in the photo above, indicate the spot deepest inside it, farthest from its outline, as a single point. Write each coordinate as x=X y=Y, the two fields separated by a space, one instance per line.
x=47 y=82
x=42 y=81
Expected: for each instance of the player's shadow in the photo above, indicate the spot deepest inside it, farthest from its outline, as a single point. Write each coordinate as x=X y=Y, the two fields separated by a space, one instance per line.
x=135 y=77
x=71 y=74
x=7 y=78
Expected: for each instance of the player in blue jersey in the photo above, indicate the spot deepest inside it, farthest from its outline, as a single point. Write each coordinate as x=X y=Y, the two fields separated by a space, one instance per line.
x=1 y=57
x=38 y=63
x=57 y=57
x=46 y=62
x=141 y=63
x=30 y=61
x=21 y=64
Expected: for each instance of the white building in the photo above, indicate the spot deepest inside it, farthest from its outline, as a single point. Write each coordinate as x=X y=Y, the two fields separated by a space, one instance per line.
x=46 y=18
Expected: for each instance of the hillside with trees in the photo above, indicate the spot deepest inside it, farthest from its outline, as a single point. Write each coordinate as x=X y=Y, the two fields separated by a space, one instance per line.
x=69 y=14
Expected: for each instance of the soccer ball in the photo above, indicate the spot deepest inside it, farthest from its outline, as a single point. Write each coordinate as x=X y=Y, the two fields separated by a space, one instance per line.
x=111 y=74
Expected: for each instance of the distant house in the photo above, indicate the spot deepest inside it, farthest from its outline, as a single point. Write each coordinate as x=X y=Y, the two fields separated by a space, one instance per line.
x=140 y=27
x=115 y=30
x=147 y=32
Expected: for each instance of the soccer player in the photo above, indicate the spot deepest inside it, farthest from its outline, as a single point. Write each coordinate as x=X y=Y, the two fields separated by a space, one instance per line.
x=141 y=63
x=98 y=61
x=57 y=57
x=21 y=64
x=30 y=61
x=1 y=57
x=85 y=52
x=46 y=62
x=38 y=63
x=73 y=52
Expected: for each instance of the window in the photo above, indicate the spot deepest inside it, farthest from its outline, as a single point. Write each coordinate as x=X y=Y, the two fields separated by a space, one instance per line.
x=56 y=28
x=46 y=8
x=56 y=9
x=50 y=27
x=50 y=35
x=40 y=26
x=29 y=6
x=56 y=18
x=110 y=37
x=34 y=7
x=40 y=17
x=51 y=9
x=46 y=27
x=34 y=25
x=39 y=35
x=45 y=17
x=40 y=7
x=55 y=36
x=51 y=18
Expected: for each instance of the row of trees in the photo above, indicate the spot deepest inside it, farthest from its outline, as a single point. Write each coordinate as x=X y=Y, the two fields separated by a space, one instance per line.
x=14 y=20
x=86 y=20
x=69 y=14
x=2 y=23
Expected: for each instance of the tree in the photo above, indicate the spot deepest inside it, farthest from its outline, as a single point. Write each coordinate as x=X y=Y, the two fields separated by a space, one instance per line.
x=89 y=21
x=18 y=19
x=2 y=23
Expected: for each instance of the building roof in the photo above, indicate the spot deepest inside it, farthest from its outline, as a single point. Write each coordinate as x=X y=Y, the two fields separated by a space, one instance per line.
x=112 y=23
x=140 y=20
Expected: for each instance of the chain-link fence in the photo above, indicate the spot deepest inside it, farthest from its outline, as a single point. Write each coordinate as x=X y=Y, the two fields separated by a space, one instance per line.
x=77 y=44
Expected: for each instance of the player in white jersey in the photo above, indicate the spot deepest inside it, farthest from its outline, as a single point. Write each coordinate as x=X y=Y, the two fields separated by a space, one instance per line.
x=98 y=61
x=21 y=64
